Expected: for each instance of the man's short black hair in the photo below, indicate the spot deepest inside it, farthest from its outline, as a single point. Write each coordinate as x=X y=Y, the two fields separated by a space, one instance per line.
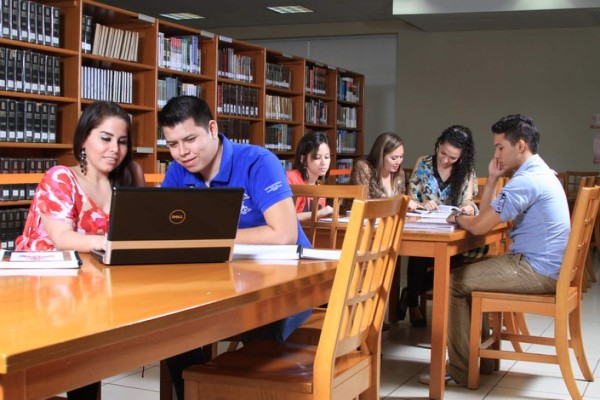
x=181 y=108
x=516 y=127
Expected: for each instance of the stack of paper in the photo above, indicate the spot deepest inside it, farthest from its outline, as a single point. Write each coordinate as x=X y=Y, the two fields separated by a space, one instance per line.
x=434 y=220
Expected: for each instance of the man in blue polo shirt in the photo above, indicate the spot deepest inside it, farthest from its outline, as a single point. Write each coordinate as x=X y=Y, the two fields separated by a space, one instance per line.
x=535 y=201
x=204 y=158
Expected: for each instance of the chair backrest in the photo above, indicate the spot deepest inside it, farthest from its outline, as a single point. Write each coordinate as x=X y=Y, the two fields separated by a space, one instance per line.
x=572 y=181
x=339 y=176
x=482 y=180
x=355 y=312
x=585 y=181
x=338 y=196
x=582 y=226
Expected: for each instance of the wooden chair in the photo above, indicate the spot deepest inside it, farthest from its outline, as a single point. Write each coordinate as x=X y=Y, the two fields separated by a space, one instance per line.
x=339 y=176
x=589 y=275
x=564 y=306
x=572 y=182
x=346 y=362
x=335 y=194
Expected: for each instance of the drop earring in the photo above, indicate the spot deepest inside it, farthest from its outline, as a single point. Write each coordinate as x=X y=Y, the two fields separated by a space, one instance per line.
x=83 y=161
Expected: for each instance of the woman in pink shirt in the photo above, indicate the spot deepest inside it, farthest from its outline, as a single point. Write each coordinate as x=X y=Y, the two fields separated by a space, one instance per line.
x=311 y=165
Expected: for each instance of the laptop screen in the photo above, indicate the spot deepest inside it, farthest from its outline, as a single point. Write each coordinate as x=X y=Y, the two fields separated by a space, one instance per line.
x=174 y=213
x=170 y=225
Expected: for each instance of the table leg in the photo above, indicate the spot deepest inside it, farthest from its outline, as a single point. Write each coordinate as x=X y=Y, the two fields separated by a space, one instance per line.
x=166 y=385
x=439 y=323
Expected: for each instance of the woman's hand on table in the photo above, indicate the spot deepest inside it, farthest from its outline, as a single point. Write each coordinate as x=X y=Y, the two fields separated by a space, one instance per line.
x=413 y=205
x=468 y=209
x=430 y=205
x=325 y=212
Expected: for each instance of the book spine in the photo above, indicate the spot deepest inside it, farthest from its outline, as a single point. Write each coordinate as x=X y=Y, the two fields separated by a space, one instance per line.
x=55 y=36
x=3 y=120
x=29 y=108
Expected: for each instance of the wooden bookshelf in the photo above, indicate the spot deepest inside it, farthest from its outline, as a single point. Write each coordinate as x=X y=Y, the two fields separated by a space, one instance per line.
x=349 y=114
x=284 y=84
x=141 y=68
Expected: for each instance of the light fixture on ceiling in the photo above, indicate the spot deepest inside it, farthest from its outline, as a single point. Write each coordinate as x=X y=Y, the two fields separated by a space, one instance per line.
x=181 y=16
x=290 y=9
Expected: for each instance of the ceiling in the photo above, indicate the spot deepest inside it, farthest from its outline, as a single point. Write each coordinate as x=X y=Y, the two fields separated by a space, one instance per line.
x=225 y=14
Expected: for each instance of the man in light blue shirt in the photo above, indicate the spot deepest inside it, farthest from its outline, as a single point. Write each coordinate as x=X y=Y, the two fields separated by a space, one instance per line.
x=535 y=201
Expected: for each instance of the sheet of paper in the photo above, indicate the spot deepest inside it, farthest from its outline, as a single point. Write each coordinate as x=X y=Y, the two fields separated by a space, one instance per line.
x=321 y=254
x=265 y=252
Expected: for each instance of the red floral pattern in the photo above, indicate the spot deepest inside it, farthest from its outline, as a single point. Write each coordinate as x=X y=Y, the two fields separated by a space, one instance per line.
x=59 y=196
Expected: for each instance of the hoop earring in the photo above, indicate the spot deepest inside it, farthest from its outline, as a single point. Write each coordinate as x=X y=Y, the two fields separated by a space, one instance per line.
x=83 y=161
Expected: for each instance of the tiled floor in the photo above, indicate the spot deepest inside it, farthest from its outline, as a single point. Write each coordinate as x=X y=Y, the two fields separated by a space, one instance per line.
x=406 y=354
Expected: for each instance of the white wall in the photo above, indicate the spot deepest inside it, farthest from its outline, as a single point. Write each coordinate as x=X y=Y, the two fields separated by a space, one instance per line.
x=372 y=55
x=475 y=78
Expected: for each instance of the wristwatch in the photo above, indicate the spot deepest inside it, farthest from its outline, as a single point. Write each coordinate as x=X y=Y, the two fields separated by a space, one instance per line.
x=456 y=213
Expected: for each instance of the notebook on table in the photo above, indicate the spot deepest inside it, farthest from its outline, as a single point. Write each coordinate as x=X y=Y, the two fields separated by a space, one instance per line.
x=171 y=225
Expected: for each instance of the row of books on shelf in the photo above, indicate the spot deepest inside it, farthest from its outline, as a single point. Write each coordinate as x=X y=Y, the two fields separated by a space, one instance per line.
x=12 y=222
x=315 y=112
x=27 y=121
x=288 y=165
x=279 y=137
x=28 y=165
x=17 y=192
x=29 y=72
x=316 y=80
x=237 y=100
x=347 y=117
x=30 y=21
x=343 y=163
x=106 y=85
x=234 y=66
x=348 y=89
x=179 y=53
x=279 y=76
x=173 y=87
x=278 y=107
x=346 y=141
x=162 y=166
x=238 y=131
x=115 y=43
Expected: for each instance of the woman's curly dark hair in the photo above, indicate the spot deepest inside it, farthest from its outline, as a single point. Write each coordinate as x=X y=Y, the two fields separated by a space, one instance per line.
x=460 y=137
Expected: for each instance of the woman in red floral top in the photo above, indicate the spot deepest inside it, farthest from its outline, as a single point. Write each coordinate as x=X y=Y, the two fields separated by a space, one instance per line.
x=71 y=204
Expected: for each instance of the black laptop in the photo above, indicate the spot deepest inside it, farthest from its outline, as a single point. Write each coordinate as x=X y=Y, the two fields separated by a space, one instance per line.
x=168 y=225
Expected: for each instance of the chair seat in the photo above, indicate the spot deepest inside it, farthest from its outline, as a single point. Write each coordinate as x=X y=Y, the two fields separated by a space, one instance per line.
x=276 y=365
x=540 y=304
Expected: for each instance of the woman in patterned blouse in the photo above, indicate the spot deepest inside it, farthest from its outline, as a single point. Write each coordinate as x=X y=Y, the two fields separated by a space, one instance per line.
x=445 y=177
x=382 y=169
x=71 y=204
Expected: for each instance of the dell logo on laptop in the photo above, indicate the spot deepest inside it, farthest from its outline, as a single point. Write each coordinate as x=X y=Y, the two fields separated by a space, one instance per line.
x=177 y=216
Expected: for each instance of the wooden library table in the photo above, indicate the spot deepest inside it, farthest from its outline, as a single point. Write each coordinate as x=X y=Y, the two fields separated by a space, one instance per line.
x=62 y=332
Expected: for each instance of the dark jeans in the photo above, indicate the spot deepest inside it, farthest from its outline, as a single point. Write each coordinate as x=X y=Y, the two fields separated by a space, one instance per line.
x=278 y=331
x=418 y=279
